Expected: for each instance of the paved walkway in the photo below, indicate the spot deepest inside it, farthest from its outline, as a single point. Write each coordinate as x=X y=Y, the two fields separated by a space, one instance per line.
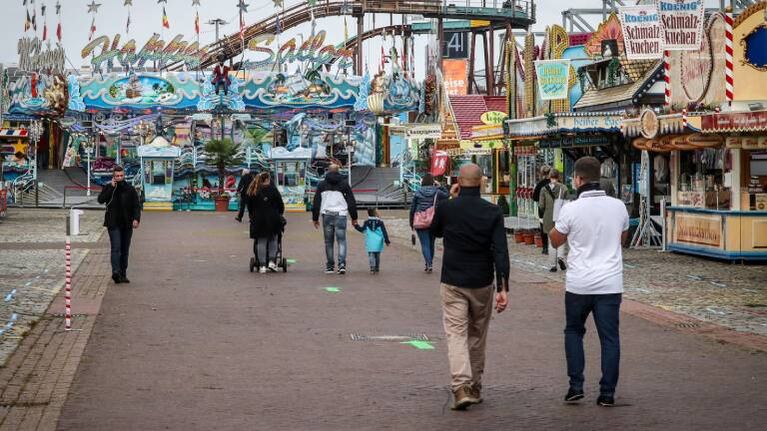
x=198 y=342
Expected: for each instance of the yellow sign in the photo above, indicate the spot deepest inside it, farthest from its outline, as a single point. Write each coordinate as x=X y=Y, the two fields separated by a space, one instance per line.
x=698 y=229
x=493 y=118
x=479 y=23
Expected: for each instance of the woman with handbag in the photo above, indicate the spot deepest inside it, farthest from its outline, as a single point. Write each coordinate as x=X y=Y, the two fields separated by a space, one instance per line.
x=550 y=202
x=422 y=213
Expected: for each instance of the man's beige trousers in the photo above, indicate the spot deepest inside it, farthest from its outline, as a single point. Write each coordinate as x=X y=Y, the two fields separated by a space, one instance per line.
x=466 y=316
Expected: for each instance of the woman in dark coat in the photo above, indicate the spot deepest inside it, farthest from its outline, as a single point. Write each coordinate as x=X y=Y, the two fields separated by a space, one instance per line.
x=426 y=197
x=265 y=207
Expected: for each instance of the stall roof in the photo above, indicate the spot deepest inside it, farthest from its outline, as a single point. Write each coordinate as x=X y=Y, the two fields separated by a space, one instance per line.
x=621 y=95
x=469 y=108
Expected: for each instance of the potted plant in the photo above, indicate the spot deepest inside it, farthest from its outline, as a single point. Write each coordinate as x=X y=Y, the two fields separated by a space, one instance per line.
x=222 y=153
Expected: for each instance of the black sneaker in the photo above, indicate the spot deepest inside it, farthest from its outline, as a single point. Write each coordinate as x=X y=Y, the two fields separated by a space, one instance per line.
x=573 y=395
x=562 y=264
x=606 y=401
x=429 y=270
x=124 y=279
x=341 y=269
x=116 y=278
x=372 y=270
x=329 y=269
x=553 y=269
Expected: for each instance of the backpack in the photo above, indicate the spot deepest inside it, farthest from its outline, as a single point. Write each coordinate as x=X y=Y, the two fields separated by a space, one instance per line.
x=423 y=219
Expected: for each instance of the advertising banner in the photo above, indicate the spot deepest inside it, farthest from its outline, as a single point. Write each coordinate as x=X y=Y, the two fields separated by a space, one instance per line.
x=642 y=32
x=553 y=78
x=455 y=75
x=682 y=22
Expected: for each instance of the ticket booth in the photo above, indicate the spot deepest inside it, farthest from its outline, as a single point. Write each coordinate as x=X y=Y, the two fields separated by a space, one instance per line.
x=157 y=163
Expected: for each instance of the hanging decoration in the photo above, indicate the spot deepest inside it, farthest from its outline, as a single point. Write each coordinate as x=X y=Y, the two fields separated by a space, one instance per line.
x=58 y=18
x=243 y=7
x=45 y=22
x=128 y=4
x=196 y=3
x=93 y=8
x=165 y=21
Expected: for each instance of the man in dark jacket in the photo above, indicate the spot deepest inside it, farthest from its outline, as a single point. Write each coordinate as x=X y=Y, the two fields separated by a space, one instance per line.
x=242 y=191
x=123 y=214
x=545 y=171
x=476 y=252
x=334 y=200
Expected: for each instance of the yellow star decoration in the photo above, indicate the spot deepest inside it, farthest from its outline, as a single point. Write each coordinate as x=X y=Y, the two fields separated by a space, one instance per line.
x=20 y=147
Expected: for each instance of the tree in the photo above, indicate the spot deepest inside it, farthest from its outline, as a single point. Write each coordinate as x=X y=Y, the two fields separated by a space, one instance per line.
x=223 y=153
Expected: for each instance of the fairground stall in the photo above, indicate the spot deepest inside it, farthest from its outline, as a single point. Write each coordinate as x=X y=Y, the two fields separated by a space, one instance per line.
x=157 y=167
x=715 y=155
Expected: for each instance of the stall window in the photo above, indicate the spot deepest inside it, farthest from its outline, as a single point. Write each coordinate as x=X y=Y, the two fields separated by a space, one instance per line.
x=754 y=194
x=504 y=172
x=702 y=175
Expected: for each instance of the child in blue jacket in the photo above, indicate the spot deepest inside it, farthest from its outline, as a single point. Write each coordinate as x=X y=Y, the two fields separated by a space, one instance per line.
x=375 y=237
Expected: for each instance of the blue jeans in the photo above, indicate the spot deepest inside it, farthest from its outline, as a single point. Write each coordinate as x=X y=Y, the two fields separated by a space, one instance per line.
x=375 y=260
x=334 y=227
x=119 y=238
x=606 y=309
x=427 y=245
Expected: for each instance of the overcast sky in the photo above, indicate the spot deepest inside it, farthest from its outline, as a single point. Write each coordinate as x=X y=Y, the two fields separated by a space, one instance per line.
x=146 y=18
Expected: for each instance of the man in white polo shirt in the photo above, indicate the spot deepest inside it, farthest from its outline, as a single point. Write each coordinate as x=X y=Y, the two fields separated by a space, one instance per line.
x=595 y=227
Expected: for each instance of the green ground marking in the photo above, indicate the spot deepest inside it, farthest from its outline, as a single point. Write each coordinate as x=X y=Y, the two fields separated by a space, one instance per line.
x=291 y=261
x=420 y=345
x=333 y=289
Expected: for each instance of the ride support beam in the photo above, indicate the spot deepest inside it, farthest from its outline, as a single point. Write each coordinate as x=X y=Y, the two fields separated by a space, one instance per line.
x=359 y=53
x=472 y=64
x=440 y=41
x=490 y=62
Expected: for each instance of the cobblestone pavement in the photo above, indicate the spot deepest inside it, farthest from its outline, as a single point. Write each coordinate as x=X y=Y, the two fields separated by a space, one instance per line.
x=198 y=342
x=32 y=266
x=730 y=295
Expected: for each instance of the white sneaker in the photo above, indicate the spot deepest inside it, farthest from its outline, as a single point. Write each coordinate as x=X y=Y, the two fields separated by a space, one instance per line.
x=272 y=267
x=262 y=270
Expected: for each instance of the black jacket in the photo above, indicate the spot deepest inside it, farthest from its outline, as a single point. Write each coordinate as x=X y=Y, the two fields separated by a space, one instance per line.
x=475 y=241
x=123 y=206
x=265 y=209
x=245 y=181
x=537 y=193
x=334 y=195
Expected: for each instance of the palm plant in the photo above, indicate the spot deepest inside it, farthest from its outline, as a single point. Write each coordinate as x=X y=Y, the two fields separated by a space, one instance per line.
x=223 y=153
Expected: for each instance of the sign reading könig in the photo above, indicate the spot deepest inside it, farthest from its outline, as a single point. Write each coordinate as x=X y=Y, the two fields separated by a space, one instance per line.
x=682 y=22
x=642 y=32
x=154 y=50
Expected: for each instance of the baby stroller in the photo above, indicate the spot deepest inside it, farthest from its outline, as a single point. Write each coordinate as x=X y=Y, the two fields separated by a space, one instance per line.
x=280 y=259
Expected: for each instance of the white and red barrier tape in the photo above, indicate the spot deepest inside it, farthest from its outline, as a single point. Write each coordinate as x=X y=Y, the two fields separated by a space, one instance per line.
x=729 y=86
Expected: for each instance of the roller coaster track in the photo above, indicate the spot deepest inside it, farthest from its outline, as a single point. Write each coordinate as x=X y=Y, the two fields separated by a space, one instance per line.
x=520 y=15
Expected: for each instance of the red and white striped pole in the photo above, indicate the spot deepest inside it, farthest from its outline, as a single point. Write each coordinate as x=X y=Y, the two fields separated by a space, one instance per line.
x=667 y=75
x=729 y=85
x=68 y=282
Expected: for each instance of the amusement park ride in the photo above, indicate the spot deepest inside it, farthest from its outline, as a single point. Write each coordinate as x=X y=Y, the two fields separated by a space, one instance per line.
x=168 y=98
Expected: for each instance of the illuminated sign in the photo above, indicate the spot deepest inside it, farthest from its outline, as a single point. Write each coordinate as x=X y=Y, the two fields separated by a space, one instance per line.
x=32 y=57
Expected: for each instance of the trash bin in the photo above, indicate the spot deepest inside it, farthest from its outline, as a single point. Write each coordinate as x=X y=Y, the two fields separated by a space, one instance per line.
x=74 y=221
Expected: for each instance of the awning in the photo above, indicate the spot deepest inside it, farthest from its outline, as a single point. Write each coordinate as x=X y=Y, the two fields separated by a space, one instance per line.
x=14 y=133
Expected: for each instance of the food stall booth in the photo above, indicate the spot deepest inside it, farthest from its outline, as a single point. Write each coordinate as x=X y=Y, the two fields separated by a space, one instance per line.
x=289 y=169
x=157 y=169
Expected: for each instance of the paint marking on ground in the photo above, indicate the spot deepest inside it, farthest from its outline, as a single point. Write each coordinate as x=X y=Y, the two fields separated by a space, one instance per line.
x=291 y=261
x=9 y=296
x=718 y=284
x=694 y=277
x=332 y=290
x=711 y=310
x=10 y=323
x=628 y=265
x=420 y=345
x=28 y=283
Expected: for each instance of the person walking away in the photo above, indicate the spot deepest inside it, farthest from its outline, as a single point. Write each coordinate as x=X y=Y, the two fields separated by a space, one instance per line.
x=242 y=191
x=475 y=251
x=552 y=195
x=595 y=225
x=375 y=238
x=266 y=208
x=334 y=201
x=544 y=175
x=422 y=212
x=123 y=214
